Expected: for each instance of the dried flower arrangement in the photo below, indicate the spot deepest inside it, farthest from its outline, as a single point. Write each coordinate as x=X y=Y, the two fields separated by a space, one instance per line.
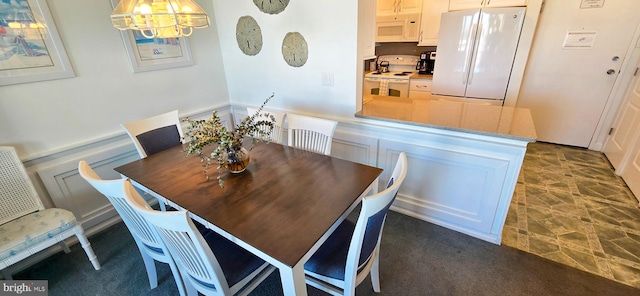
x=227 y=153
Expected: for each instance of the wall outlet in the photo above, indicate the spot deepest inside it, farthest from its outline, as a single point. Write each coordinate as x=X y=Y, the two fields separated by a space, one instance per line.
x=327 y=79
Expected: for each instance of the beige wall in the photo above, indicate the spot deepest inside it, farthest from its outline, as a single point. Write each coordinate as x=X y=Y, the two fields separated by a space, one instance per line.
x=44 y=117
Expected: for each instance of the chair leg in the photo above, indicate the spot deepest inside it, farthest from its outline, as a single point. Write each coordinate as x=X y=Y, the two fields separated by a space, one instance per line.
x=178 y=278
x=87 y=247
x=65 y=247
x=163 y=206
x=150 y=266
x=375 y=271
x=191 y=290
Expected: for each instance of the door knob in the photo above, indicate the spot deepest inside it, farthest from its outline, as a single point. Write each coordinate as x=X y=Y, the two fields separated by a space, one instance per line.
x=611 y=72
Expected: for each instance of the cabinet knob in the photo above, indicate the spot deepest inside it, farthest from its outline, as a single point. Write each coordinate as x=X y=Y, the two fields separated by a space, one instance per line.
x=611 y=72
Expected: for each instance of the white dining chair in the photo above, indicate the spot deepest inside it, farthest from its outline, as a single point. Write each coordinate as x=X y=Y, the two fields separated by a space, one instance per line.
x=352 y=251
x=310 y=133
x=149 y=243
x=276 y=133
x=26 y=227
x=209 y=263
x=154 y=134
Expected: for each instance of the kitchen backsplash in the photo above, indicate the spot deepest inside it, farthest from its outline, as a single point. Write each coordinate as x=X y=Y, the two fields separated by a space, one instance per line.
x=394 y=48
x=405 y=48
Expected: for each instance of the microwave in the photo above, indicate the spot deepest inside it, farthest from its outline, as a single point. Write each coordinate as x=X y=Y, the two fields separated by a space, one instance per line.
x=398 y=28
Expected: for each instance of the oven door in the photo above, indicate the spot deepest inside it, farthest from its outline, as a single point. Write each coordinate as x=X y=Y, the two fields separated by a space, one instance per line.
x=386 y=87
x=371 y=86
x=398 y=88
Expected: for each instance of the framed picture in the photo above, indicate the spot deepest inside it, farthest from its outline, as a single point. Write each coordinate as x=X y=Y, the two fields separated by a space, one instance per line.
x=30 y=47
x=148 y=54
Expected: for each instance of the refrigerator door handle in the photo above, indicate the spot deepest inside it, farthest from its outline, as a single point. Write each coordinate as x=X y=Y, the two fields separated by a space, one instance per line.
x=469 y=50
x=474 y=56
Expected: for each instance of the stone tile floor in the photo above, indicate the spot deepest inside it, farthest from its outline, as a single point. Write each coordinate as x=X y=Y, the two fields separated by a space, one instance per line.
x=571 y=208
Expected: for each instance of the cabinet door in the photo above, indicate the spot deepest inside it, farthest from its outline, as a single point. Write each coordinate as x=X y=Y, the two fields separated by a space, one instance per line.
x=386 y=7
x=367 y=28
x=504 y=3
x=410 y=6
x=474 y=4
x=430 y=23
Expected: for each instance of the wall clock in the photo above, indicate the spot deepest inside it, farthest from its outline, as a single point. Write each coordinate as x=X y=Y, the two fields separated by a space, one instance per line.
x=249 y=35
x=271 y=6
x=294 y=49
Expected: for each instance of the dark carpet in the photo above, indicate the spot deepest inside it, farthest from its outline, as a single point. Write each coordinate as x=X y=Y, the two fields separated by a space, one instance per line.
x=417 y=258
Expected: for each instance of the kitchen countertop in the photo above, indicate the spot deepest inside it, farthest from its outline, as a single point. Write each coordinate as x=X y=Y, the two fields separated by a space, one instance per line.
x=438 y=112
x=421 y=76
x=413 y=76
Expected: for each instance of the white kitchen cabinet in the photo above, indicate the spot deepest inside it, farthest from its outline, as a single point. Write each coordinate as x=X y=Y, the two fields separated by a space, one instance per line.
x=394 y=7
x=367 y=29
x=420 y=88
x=473 y=4
x=430 y=22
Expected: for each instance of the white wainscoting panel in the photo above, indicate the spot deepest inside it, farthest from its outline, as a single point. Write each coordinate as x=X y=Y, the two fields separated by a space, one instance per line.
x=356 y=148
x=458 y=187
x=69 y=191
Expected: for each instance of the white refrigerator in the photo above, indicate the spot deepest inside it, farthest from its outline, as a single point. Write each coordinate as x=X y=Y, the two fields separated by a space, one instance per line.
x=475 y=52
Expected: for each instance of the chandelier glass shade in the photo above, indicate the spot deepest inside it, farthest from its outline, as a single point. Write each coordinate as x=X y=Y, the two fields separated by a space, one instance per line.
x=159 y=18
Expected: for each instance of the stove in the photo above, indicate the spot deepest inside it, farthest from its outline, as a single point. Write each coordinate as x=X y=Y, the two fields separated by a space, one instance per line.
x=394 y=83
x=400 y=67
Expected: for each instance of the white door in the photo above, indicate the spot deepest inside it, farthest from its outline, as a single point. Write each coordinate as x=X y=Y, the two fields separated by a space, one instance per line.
x=631 y=172
x=574 y=62
x=626 y=128
x=623 y=146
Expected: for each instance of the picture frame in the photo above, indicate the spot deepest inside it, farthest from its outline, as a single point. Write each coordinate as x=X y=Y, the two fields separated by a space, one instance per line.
x=31 y=48
x=154 y=54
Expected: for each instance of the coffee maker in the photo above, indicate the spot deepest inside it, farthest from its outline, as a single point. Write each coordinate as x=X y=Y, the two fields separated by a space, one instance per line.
x=426 y=62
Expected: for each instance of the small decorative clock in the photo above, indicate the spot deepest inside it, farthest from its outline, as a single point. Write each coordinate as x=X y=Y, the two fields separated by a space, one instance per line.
x=249 y=35
x=294 y=49
x=271 y=6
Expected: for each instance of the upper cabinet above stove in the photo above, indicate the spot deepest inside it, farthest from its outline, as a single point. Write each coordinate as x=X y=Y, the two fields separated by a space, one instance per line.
x=395 y=7
x=430 y=23
x=474 y=4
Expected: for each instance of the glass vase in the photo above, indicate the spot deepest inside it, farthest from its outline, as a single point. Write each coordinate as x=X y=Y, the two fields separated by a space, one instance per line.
x=236 y=160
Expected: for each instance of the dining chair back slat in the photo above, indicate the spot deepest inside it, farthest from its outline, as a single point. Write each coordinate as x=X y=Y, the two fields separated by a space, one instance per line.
x=310 y=133
x=276 y=132
x=149 y=243
x=193 y=250
x=356 y=245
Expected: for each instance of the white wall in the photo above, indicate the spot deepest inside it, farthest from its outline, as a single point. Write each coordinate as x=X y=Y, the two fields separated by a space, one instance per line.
x=330 y=29
x=43 y=117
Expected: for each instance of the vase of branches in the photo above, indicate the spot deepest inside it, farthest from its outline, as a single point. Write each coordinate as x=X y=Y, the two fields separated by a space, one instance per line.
x=227 y=144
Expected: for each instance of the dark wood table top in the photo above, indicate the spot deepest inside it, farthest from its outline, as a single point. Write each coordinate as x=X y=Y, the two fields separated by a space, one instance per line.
x=281 y=205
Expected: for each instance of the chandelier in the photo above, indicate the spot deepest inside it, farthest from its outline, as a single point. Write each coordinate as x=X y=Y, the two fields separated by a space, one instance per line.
x=159 y=18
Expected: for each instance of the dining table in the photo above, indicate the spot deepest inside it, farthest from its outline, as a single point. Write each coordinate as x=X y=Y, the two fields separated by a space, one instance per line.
x=281 y=208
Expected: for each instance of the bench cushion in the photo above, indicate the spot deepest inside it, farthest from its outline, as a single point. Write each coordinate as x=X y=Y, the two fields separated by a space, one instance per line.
x=23 y=233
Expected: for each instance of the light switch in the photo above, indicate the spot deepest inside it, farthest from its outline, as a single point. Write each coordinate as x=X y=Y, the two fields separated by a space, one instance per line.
x=327 y=79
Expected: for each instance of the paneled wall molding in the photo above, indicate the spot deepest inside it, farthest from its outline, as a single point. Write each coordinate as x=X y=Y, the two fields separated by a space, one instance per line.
x=457 y=180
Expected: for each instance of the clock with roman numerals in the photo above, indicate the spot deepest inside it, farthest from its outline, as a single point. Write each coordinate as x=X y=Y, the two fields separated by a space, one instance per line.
x=271 y=6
